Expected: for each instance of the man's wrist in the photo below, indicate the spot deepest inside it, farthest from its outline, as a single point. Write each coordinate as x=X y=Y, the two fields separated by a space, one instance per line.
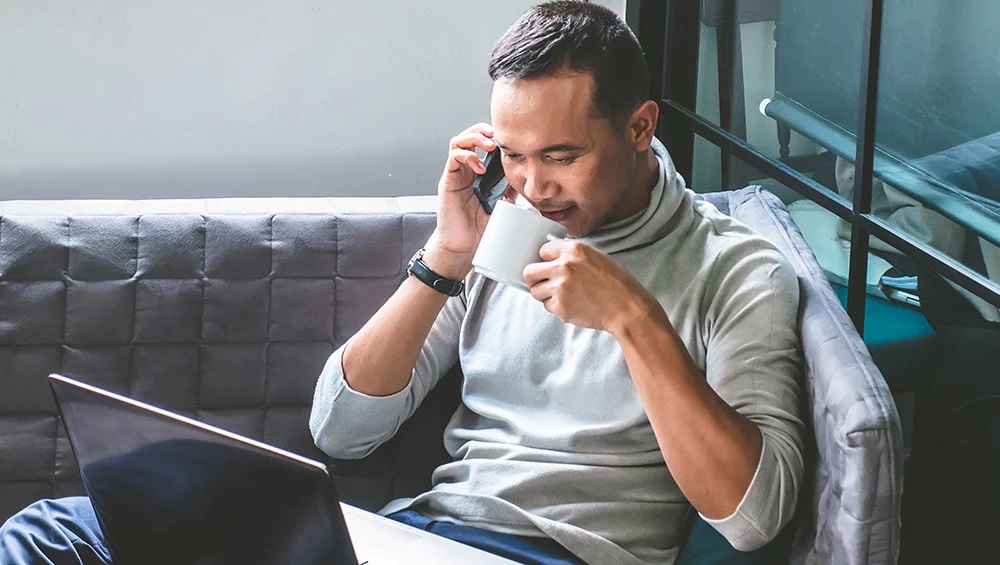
x=447 y=264
x=638 y=316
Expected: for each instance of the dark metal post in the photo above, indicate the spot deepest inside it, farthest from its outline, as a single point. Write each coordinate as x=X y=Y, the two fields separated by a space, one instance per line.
x=680 y=80
x=732 y=106
x=648 y=20
x=865 y=153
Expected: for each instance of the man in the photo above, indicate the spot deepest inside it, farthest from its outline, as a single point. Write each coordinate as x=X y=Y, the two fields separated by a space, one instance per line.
x=653 y=365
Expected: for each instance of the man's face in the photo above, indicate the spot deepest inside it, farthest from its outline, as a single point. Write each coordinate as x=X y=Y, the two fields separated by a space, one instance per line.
x=574 y=167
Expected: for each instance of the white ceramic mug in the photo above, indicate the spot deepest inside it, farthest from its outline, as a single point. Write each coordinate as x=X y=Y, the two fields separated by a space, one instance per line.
x=511 y=242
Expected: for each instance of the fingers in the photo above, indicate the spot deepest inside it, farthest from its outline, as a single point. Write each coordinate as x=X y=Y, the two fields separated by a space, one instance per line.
x=543 y=292
x=552 y=250
x=462 y=149
x=473 y=139
x=536 y=273
x=459 y=159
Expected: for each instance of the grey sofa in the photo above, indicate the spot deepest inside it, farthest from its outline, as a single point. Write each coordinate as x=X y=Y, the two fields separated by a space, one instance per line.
x=225 y=310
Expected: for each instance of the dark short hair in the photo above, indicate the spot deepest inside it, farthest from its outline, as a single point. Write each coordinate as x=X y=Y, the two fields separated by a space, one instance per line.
x=577 y=36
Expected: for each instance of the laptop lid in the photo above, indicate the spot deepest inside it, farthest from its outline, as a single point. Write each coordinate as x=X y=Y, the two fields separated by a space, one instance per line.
x=169 y=489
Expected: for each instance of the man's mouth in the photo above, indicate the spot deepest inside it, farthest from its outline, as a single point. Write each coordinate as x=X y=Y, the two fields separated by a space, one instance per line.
x=557 y=215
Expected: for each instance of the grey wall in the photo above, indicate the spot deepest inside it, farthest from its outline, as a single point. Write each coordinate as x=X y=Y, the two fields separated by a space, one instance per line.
x=186 y=98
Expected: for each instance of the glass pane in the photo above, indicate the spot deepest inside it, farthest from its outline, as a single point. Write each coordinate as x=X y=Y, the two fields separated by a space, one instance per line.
x=759 y=57
x=827 y=234
x=938 y=135
x=786 y=76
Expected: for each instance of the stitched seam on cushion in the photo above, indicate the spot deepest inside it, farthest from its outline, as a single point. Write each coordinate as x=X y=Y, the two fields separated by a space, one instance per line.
x=62 y=361
x=66 y=279
x=825 y=301
x=201 y=319
x=333 y=275
x=336 y=244
x=264 y=405
x=135 y=312
x=402 y=244
x=135 y=279
x=270 y=297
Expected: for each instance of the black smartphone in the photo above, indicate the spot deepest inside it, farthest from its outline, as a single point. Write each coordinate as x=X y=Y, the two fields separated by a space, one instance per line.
x=491 y=185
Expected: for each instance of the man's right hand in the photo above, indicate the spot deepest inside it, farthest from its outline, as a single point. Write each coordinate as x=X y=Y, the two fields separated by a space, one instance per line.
x=379 y=359
x=461 y=218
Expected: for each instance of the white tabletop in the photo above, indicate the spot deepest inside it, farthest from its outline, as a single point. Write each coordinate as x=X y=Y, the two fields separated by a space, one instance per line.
x=381 y=541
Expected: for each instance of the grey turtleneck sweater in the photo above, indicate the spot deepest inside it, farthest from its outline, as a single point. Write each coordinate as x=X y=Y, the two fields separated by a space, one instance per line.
x=551 y=438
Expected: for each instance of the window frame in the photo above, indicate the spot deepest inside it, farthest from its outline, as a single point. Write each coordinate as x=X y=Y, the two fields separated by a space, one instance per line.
x=669 y=31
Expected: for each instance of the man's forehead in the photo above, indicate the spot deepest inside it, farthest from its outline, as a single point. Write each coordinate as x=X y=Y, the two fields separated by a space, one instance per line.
x=533 y=114
x=567 y=91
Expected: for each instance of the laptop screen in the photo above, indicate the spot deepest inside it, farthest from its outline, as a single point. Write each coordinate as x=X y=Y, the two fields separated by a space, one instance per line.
x=167 y=489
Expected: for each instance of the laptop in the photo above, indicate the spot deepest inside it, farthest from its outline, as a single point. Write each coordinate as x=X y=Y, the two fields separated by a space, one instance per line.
x=169 y=489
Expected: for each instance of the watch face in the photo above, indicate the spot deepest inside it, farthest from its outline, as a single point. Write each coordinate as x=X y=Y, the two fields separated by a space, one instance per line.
x=414 y=259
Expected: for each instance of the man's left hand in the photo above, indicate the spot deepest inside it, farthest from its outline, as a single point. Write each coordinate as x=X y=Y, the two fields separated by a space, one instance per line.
x=585 y=287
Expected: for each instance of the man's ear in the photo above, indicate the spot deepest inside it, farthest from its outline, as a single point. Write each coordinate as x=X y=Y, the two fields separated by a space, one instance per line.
x=642 y=125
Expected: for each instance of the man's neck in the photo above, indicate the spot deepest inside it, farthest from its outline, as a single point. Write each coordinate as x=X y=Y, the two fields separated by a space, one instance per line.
x=647 y=174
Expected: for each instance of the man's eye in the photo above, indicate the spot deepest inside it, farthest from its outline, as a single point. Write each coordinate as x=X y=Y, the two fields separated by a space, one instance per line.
x=561 y=160
x=512 y=156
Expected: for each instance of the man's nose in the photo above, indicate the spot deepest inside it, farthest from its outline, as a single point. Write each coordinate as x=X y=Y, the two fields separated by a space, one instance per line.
x=537 y=186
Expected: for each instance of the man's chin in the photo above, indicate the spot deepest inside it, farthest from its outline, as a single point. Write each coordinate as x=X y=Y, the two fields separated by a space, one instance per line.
x=580 y=227
x=575 y=229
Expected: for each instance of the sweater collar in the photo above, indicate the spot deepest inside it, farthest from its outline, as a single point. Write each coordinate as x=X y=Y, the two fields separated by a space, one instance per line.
x=650 y=224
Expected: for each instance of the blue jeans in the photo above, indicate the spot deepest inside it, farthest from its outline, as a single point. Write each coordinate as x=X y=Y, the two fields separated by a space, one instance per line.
x=54 y=531
x=531 y=551
x=65 y=531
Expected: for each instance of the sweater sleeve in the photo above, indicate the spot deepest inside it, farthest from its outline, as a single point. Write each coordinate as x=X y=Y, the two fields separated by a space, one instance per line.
x=753 y=362
x=347 y=424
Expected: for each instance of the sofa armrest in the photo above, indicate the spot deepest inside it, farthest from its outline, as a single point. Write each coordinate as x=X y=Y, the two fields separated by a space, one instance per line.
x=850 y=513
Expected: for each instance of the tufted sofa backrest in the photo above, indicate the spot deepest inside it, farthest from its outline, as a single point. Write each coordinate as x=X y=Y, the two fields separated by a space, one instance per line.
x=222 y=310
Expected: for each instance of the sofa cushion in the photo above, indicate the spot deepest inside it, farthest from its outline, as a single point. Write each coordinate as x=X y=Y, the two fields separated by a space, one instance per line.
x=850 y=510
x=223 y=310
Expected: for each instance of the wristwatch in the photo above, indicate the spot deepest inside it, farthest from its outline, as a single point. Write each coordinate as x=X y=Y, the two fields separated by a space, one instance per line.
x=424 y=274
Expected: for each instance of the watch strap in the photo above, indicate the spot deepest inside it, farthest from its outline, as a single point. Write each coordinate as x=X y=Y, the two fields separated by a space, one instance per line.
x=424 y=274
